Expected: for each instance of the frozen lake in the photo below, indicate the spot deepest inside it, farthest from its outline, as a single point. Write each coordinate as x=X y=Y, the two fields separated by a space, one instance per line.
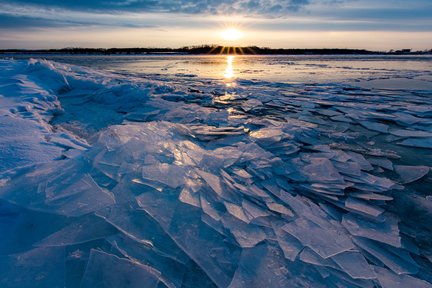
x=216 y=171
x=371 y=71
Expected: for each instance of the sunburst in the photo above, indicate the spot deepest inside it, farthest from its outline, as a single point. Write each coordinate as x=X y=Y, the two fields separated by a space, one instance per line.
x=231 y=34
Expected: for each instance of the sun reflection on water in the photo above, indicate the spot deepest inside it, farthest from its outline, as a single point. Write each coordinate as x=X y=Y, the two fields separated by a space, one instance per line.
x=229 y=70
x=229 y=73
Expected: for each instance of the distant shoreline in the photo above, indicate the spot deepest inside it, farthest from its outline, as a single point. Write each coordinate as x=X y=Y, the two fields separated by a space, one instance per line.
x=211 y=50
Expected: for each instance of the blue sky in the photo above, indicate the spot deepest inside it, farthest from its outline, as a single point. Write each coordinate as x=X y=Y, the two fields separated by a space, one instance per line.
x=379 y=25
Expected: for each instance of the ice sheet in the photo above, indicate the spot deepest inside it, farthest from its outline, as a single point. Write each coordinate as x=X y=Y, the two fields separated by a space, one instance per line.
x=185 y=182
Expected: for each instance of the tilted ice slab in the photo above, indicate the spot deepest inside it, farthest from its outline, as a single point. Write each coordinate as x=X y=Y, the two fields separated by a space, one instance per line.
x=150 y=184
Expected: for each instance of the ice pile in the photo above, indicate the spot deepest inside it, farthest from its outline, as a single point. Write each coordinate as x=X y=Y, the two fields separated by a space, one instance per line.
x=177 y=184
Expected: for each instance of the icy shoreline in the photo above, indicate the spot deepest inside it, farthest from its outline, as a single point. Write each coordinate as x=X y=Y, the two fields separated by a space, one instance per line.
x=107 y=178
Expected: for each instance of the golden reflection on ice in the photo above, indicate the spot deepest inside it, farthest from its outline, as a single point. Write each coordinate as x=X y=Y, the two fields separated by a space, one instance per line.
x=229 y=74
x=229 y=70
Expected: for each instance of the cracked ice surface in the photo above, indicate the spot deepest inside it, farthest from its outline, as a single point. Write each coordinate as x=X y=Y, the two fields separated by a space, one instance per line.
x=110 y=181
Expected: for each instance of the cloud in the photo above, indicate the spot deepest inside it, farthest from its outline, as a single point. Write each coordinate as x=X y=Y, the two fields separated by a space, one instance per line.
x=247 y=7
x=26 y=22
x=34 y=14
x=299 y=15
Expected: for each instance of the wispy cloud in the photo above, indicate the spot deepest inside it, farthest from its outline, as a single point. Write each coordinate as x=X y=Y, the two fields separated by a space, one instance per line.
x=190 y=15
x=249 y=7
x=360 y=10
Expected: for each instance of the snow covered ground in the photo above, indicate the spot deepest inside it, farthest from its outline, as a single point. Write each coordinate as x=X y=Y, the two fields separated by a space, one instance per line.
x=110 y=180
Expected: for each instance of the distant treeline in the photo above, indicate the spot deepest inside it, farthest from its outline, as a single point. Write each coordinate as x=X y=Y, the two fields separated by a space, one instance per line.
x=213 y=50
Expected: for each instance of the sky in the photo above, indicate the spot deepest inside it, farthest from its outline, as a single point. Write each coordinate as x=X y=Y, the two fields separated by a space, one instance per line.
x=364 y=24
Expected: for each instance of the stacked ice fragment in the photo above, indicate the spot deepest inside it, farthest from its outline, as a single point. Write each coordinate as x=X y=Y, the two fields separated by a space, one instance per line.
x=270 y=185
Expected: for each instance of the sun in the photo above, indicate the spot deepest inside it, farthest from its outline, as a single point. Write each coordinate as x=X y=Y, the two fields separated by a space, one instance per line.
x=231 y=34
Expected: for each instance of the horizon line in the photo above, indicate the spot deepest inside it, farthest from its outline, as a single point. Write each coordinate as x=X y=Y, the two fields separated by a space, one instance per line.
x=212 y=47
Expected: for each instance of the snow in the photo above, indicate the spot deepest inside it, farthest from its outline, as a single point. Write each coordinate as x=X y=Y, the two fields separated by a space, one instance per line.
x=111 y=180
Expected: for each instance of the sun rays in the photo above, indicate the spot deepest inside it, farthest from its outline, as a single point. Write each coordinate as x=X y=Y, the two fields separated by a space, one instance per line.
x=231 y=50
x=232 y=35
